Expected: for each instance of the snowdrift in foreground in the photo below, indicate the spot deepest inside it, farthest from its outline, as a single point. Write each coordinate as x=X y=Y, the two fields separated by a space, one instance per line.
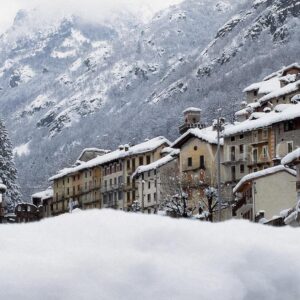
x=113 y=255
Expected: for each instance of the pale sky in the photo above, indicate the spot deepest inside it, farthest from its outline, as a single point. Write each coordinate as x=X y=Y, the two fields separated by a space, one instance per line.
x=87 y=8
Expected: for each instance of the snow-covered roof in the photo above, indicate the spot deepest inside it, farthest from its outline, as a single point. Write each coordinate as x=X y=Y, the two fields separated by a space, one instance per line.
x=262 y=173
x=206 y=134
x=147 y=146
x=282 y=91
x=282 y=70
x=282 y=112
x=291 y=157
x=156 y=164
x=97 y=150
x=192 y=109
x=264 y=87
x=44 y=194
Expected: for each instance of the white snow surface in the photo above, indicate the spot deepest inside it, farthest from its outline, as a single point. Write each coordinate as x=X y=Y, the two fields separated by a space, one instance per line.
x=192 y=109
x=114 y=155
x=114 y=255
x=44 y=194
x=291 y=157
x=206 y=134
x=282 y=112
x=155 y=165
x=262 y=173
x=288 y=89
x=264 y=87
x=22 y=150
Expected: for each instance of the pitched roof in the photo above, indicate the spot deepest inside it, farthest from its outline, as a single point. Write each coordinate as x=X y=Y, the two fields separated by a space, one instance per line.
x=291 y=157
x=282 y=91
x=207 y=135
x=266 y=172
x=282 y=112
x=147 y=146
x=156 y=164
x=44 y=194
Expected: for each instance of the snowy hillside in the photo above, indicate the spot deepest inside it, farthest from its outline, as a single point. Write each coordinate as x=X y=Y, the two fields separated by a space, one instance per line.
x=151 y=256
x=66 y=84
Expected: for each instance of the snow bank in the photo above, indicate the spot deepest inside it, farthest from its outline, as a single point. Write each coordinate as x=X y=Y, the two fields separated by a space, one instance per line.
x=114 y=255
x=291 y=157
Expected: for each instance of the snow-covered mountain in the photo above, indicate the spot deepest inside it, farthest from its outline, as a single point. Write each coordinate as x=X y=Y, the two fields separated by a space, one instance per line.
x=66 y=83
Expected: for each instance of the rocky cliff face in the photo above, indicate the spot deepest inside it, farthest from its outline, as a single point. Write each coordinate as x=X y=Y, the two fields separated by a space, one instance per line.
x=66 y=84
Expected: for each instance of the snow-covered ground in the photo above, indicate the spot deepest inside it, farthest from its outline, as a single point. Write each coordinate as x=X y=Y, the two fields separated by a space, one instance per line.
x=113 y=255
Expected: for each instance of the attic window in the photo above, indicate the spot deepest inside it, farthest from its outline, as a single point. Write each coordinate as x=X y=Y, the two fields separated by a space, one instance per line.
x=255 y=93
x=195 y=148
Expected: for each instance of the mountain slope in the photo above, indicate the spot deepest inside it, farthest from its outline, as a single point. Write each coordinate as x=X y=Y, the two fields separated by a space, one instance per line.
x=71 y=84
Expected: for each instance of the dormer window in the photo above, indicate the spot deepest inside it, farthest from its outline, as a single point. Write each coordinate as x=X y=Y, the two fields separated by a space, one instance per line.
x=255 y=93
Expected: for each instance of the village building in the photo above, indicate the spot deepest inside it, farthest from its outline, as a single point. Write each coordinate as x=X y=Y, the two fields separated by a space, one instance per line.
x=44 y=200
x=198 y=162
x=105 y=181
x=192 y=119
x=155 y=181
x=292 y=217
x=263 y=195
x=27 y=212
x=281 y=87
x=91 y=153
x=261 y=141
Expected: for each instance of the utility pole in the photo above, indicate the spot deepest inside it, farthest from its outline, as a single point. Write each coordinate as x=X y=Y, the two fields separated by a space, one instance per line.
x=219 y=164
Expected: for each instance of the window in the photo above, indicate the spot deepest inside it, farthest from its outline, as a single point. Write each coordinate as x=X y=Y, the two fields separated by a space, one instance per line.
x=74 y=178
x=63 y=182
x=128 y=164
x=148 y=159
x=85 y=174
x=141 y=160
x=242 y=169
x=105 y=183
x=255 y=93
x=68 y=180
x=241 y=136
x=133 y=195
x=289 y=147
x=232 y=138
x=190 y=162
x=241 y=149
x=128 y=196
x=68 y=191
x=78 y=188
x=120 y=195
x=85 y=185
x=265 y=133
x=155 y=197
x=149 y=198
x=202 y=162
x=265 y=151
x=149 y=173
x=233 y=173
x=110 y=182
x=195 y=148
x=121 y=166
x=149 y=185
x=232 y=153
x=289 y=125
x=254 y=155
x=115 y=181
x=105 y=199
x=128 y=180
x=73 y=190
x=133 y=163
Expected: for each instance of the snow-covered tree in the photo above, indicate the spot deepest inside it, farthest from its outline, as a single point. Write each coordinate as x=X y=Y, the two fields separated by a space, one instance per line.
x=8 y=172
x=135 y=207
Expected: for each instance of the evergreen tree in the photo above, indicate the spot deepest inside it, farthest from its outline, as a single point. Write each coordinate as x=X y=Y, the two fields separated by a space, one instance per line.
x=8 y=172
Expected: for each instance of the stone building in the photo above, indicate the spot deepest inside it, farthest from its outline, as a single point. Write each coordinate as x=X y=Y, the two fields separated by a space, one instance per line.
x=265 y=193
x=105 y=181
x=44 y=200
x=154 y=180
